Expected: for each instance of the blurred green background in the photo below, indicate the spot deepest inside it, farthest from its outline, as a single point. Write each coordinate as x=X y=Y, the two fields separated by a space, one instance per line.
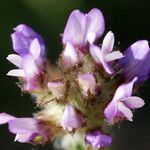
x=129 y=20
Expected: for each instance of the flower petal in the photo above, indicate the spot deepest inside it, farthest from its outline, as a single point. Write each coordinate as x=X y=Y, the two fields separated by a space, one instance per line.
x=69 y=56
x=95 y=25
x=5 y=118
x=23 y=138
x=133 y=102
x=95 y=53
x=125 y=111
x=20 y=43
x=29 y=66
x=75 y=29
x=23 y=125
x=15 y=59
x=16 y=73
x=124 y=90
x=108 y=42
x=97 y=139
x=111 y=111
x=82 y=28
x=22 y=38
x=70 y=119
x=98 y=57
x=113 y=56
x=136 y=61
x=35 y=49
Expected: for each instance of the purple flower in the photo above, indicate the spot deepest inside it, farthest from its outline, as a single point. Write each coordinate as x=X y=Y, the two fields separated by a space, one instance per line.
x=30 y=48
x=26 y=129
x=104 y=55
x=97 y=139
x=122 y=104
x=136 y=61
x=83 y=28
x=29 y=65
x=71 y=119
x=87 y=83
x=22 y=38
x=57 y=89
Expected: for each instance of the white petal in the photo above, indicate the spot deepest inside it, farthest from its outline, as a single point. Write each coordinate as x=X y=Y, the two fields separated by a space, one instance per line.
x=95 y=52
x=16 y=73
x=15 y=59
x=69 y=57
x=125 y=111
x=113 y=56
x=35 y=49
x=91 y=36
x=23 y=138
x=29 y=66
x=108 y=42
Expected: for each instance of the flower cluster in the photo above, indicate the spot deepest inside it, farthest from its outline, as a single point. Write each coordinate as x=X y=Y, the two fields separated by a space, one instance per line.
x=89 y=90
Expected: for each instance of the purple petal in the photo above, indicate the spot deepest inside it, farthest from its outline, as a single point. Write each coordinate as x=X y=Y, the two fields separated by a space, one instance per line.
x=110 y=111
x=75 y=29
x=125 y=111
x=133 y=102
x=22 y=38
x=23 y=125
x=70 y=119
x=136 y=61
x=95 y=25
x=108 y=42
x=5 y=118
x=97 y=139
x=15 y=59
x=98 y=57
x=87 y=83
x=82 y=28
x=16 y=73
x=35 y=49
x=57 y=88
x=124 y=91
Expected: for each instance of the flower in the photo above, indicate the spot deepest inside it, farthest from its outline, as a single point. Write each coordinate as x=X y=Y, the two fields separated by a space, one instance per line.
x=97 y=139
x=22 y=38
x=83 y=28
x=29 y=65
x=104 y=55
x=136 y=61
x=30 y=48
x=122 y=104
x=87 y=83
x=26 y=129
x=70 y=118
